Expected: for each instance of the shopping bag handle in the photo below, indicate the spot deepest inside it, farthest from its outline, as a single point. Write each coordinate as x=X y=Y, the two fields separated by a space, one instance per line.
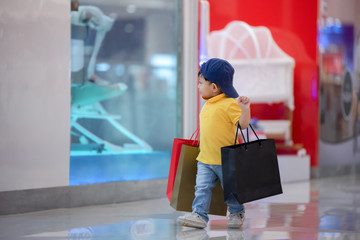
x=196 y=133
x=247 y=133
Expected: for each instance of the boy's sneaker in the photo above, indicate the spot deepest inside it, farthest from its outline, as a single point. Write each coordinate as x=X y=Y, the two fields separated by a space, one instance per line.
x=191 y=220
x=236 y=220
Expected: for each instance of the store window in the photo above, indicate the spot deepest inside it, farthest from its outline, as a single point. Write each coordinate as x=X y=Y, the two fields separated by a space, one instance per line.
x=339 y=68
x=123 y=89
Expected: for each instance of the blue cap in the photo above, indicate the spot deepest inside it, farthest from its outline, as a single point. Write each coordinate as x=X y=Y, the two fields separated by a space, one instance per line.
x=220 y=72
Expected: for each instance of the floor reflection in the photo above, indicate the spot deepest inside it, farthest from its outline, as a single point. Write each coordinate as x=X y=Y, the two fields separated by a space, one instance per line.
x=323 y=209
x=141 y=229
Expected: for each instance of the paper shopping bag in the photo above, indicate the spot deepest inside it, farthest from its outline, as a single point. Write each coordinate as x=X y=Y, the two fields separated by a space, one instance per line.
x=250 y=170
x=175 y=154
x=184 y=185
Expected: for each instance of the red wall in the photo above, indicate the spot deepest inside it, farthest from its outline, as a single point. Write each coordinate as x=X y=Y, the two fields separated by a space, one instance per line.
x=293 y=25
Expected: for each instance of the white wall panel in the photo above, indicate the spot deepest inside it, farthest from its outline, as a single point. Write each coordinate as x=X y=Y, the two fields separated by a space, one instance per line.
x=34 y=94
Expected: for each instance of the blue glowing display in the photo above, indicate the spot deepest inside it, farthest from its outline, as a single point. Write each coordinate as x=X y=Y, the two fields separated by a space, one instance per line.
x=118 y=167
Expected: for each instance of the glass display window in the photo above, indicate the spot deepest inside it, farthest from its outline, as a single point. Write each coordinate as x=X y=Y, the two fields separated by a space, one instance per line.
x=123 y=89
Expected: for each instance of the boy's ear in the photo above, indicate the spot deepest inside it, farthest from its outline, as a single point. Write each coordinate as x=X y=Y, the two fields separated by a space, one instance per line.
x=215 y=87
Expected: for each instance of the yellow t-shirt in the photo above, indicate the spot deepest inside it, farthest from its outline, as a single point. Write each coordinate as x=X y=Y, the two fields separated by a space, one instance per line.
x=218 y=121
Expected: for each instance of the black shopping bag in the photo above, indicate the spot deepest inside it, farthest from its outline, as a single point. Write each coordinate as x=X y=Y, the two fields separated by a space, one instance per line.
x=251 y=169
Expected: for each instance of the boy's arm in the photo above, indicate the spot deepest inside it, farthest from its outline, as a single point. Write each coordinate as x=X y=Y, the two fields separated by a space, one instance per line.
x=244 y=103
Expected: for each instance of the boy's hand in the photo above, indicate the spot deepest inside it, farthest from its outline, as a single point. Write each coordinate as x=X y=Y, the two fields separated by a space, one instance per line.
x=244 y=102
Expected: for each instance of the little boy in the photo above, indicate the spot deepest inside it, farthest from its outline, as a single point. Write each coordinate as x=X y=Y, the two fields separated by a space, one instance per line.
x=218 y=120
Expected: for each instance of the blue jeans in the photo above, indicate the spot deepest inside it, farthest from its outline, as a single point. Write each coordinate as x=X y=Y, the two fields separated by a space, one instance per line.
x=206 y=179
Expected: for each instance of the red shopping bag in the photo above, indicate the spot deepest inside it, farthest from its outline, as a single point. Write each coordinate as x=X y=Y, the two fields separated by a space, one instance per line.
x=175 y=154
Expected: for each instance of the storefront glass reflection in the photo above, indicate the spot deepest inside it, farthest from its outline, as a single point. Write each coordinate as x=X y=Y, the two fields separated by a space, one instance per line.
x=338 y=88
x=123 y=89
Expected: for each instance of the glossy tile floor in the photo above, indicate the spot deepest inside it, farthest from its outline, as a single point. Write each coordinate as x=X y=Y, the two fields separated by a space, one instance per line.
x=327 y=208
